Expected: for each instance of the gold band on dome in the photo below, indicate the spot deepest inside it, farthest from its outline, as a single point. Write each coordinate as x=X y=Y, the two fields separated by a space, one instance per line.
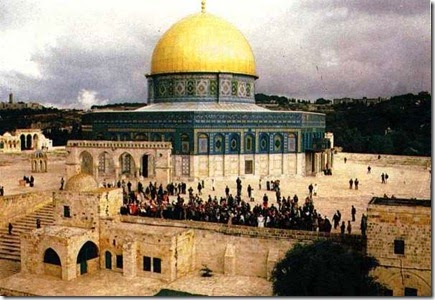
x=203 y=6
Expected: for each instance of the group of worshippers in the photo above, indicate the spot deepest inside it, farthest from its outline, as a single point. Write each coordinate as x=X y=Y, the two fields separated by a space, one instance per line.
x=289 y=213
x=30 y=181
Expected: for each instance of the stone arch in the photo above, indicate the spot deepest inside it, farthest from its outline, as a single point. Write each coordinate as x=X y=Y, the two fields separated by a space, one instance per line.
x=51 y=257
x=108 y=258
x=29 y=141
x=86 y=163
x=106 y=164
x=141 y=137
x=23 y=142
x=88 y=251
x=128 y=167
x=399 y=280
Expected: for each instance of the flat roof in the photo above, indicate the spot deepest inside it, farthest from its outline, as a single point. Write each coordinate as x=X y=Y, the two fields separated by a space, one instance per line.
x=400 y=202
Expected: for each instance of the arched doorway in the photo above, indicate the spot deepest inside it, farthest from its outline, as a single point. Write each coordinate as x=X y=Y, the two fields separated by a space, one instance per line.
x=51 y=257
x=145 y=165
x=52 y=263
x=108 y=260
x=23 y=142
x=88 y=251
x=29 y=142
x=86 y=163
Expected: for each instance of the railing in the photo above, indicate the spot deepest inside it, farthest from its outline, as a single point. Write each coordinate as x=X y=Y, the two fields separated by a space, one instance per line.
x=119 y=144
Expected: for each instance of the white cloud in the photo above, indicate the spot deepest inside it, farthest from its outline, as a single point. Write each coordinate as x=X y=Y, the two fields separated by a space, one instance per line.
x=87 y=98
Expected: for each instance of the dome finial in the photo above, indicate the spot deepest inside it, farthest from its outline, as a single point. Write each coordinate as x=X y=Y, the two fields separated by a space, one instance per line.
x=203 y=6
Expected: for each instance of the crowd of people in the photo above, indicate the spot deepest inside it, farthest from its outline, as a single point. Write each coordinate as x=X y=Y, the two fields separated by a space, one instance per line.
x=288 y=213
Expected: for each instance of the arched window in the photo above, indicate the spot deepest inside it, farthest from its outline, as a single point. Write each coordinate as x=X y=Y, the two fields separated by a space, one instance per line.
x=219 y=145
x=234 y=143
x=203 y=143
x=264 y=143
x=87 y=163
x=185 y=144
x=127 y=164
x=278 y=143
x=51 y=257
x=249 y=143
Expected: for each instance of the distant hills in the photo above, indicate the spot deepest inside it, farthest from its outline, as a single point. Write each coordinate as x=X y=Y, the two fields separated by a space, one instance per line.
x=400 y=125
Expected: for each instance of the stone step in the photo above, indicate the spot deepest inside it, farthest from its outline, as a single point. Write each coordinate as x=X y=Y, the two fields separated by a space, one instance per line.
x=10 y=243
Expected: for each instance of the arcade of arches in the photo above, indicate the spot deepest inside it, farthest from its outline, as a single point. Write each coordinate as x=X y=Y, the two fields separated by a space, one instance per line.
x=113 y=161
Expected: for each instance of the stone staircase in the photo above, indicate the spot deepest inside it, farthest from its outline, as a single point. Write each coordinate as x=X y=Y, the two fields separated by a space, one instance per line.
x=10 y=243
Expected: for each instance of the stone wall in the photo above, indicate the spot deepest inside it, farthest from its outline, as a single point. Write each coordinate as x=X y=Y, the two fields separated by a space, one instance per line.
x=242 y=250
x=411 y=224
x=17 y=206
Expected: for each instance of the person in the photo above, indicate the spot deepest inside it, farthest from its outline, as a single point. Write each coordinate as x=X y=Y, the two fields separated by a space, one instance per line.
x=259 y=184
x=335 y=220
x=265 y=200
x=199 y=188
x=356 y=183
x=310 y=189
x=38 y=223
x=353 y=212
x=379 y=157
x=386 y=177
x=349 y=227
x=350 y=183
x=10 y=227
x=383 y=178
x=260 y=220
x=212 y=184
x=32 y=181
x=342 y=227
x=227 y=191
x=129 y=186
x=62 y=182
x=249 y=191
x=315 y=189
x=369 y=170
x=345 y=159
x=2 y=190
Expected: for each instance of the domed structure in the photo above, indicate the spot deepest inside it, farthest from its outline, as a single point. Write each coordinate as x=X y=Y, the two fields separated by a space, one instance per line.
x=203 y=43
x=81 y=183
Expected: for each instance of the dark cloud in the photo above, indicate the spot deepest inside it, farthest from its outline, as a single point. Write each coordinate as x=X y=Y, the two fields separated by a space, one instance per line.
x=374 y=7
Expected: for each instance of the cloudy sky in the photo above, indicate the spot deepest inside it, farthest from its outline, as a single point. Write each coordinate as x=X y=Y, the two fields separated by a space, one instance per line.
x=77 y=53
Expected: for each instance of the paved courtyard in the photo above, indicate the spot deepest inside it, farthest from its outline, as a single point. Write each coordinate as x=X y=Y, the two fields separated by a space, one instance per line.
x=409 y=177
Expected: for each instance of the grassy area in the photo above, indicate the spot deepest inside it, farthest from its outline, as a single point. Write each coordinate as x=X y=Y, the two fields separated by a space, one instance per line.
x=172 y=293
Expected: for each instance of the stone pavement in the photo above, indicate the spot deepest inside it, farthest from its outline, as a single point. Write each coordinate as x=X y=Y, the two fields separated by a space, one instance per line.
x=409 y=177
x=110 y=283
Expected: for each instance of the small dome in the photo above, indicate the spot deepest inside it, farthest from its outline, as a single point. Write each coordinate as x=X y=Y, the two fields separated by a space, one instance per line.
x=7 y=134
x=81 y=183
x=203 y=43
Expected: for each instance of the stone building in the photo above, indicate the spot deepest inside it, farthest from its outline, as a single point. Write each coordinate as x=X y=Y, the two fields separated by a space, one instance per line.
x=399 y=235
x=39 y=162
x=201 y=99
x=24 y=139
x=111 y=161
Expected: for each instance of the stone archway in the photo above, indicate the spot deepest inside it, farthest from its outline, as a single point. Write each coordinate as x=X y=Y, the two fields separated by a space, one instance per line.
x=86 y=163
x=106 y=165
x=52 y=263
x=128 y=167
x=87 y=255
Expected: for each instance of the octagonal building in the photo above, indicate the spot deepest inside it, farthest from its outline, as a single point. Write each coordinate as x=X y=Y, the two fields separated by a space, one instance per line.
x=201 y=98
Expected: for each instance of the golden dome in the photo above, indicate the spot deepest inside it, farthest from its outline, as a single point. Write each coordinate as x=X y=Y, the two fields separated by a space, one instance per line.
x=81 y=183
x=203 y=43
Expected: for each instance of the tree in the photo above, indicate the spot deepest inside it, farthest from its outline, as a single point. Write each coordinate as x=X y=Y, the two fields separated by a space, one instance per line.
x=325 y=268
